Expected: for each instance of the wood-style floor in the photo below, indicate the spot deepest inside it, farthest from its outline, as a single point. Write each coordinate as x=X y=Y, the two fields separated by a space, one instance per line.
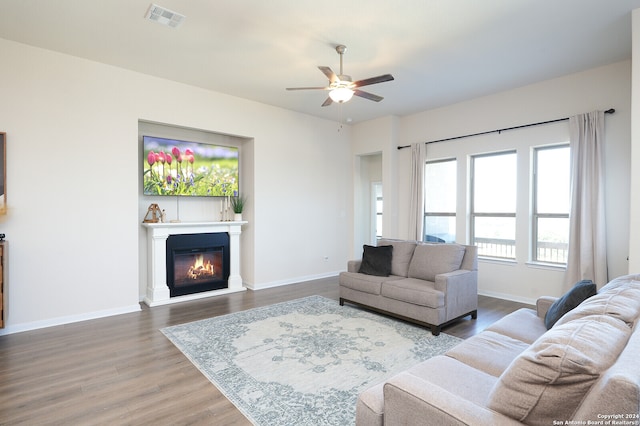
x=122 y=371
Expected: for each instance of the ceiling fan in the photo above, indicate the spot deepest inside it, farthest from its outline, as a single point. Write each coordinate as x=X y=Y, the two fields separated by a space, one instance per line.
x=342 y=88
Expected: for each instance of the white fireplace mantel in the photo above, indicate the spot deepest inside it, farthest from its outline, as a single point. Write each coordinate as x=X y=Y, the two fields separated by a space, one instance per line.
x=157 y=234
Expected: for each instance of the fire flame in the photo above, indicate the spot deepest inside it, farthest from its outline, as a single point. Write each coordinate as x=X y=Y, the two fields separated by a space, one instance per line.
x=200 y=269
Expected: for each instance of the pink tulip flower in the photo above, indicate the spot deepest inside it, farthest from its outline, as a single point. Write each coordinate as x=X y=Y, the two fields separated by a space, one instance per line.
x=189 y=155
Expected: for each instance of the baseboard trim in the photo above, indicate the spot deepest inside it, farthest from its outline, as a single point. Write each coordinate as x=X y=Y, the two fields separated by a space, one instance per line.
x=35 y=325
x=262 y=286
x=506 y=296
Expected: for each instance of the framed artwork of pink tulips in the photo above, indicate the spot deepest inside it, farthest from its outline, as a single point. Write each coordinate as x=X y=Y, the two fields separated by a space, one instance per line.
x=183 y=168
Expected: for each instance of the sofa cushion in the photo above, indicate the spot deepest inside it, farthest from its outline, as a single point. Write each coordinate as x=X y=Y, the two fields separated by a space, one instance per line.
x=402 y=254
x=488 y=351
x=430 y=260
x=365 y=283
x=376 y=260
x=414 y=291
x=456 y=377
x=619 y=299
x=524 y=325
x=578 y=293
x=618 y=389
x=549 y=380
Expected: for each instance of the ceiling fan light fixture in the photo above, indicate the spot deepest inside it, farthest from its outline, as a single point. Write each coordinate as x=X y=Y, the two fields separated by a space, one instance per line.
x=342 y=88
x=341 y=94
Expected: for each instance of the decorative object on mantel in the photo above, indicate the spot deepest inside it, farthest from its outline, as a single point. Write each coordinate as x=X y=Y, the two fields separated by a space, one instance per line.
x=154 y=214
x=231 y=208
x=225 y=216
x=237 y=204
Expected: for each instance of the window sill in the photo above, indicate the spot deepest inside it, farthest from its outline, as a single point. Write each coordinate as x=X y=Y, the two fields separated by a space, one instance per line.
x=548 y=266
x=509 y=262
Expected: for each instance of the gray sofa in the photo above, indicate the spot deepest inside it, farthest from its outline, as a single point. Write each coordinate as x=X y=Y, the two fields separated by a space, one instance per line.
x=584 y=370
x=429 y=284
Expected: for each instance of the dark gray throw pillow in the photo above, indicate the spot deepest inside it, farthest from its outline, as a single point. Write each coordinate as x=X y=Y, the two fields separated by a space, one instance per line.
x=376 y=260
x=581 y=291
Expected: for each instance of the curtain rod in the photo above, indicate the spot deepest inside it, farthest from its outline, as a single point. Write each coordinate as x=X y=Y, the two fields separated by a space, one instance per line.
x=609 y=111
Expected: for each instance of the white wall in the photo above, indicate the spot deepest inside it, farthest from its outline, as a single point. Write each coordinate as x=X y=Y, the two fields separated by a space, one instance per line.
x=301 y=199
x=73 y=188
x=634 y=193
x=600 y=88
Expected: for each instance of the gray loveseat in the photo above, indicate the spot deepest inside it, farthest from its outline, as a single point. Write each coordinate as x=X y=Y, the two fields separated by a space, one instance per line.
x=429 y=284
x=584 y=370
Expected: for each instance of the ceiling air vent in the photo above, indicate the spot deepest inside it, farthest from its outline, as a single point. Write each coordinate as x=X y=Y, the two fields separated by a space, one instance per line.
x=164 y=16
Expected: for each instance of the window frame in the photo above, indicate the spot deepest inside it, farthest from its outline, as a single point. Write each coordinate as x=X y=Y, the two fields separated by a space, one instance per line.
x=535 y=216
x=439 y=214
x=473 y=214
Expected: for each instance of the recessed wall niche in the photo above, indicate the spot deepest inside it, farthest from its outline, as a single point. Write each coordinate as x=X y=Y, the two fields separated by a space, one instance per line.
x=193 y=209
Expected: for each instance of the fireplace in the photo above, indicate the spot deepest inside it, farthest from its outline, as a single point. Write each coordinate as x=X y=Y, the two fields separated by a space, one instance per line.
x=197 y=263
x=157 y=291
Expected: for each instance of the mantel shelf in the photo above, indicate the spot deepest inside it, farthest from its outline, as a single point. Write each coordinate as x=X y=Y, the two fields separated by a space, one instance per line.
x=183 y=224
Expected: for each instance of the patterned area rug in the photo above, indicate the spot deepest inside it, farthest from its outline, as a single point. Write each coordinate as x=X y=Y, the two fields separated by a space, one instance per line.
x=303 y=362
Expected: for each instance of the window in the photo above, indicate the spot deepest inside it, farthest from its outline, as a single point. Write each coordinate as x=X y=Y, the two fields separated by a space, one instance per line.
x=493 y=204
x=440 y=191
x=551 y=180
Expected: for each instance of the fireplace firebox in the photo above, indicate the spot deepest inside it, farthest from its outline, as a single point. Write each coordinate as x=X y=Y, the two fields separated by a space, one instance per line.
x=197 y=263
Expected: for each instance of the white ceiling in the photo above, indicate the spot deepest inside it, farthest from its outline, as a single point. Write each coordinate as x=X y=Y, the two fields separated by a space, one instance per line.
x=439 y=51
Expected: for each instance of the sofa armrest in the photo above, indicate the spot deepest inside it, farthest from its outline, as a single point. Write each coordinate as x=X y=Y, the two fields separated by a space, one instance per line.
x=543 y=304
x=353 y=265
x=409 y=400
x=460 y=290
x=461 y=277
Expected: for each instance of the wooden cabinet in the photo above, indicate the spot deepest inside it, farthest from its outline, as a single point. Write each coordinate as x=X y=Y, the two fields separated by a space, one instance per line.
x=2 y=283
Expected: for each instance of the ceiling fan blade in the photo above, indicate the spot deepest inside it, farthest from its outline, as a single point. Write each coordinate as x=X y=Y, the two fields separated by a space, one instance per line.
x=329 y=73
x=308 y=88
x=368 y=95
x=327 y=102
x=373 y=80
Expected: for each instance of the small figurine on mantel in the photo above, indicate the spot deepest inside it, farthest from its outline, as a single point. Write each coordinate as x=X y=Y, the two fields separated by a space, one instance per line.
x=163 y=218
x=154 y=215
